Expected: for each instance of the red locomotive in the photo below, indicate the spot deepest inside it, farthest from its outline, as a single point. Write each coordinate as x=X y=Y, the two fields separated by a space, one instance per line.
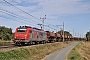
x=26 y=34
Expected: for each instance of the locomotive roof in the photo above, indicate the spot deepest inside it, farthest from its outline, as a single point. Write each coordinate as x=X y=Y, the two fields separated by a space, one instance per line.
x=25 y=27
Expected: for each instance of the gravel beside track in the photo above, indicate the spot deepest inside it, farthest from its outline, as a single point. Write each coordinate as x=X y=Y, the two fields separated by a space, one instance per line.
x=13 y=46
x=7 y=47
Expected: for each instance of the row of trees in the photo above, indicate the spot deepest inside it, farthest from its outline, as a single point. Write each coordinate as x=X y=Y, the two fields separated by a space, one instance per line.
x=5 y=33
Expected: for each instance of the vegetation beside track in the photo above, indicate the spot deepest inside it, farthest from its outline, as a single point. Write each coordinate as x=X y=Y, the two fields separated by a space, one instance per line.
x=32 y=53
x=5 y=42
x=80 y=52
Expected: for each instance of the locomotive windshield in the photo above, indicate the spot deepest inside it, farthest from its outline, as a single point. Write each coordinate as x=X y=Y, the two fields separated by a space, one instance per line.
x=21 y=30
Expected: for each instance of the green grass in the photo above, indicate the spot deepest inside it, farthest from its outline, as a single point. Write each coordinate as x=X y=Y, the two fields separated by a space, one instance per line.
x=74 y=54
x=14 y=54
x=32 y=53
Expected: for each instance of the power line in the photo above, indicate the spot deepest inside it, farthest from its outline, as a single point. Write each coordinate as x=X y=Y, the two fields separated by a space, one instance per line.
x=24 y=11
x=17 y=16
x=26 y=19
x=9 y=18
x=12 y=16
x=21 y=10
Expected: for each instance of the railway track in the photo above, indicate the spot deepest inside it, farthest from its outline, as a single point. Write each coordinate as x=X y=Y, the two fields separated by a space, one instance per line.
x=7 y=46
x=13 y=46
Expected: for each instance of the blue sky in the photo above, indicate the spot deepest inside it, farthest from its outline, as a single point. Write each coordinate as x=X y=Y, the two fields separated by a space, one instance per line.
x=74 y=13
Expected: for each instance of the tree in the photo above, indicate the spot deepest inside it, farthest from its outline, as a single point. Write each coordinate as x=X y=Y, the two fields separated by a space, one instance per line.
x=5 y=33
x=88 y=36
x=65 y=33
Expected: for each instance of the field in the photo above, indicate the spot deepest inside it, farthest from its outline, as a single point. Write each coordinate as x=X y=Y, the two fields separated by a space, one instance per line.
x=32 y=53
x=80 y=52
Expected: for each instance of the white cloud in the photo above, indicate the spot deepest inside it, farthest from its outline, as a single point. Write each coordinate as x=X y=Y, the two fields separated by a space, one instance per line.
x=64 y=6
x=55 y=7
x=52 y=8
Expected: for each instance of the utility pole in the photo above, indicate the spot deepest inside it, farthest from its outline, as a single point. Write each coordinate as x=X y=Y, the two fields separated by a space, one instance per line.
x=73 y=34
x=69 y=35
x=78 y=36
x=63 y=31
x=43 y=21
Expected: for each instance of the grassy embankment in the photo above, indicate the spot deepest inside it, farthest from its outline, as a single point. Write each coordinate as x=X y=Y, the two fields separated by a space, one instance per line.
x=80 y=52
x=32 y=53
x=5 y=42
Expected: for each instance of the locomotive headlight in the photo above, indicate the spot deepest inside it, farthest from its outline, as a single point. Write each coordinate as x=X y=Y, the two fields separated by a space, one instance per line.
x=15 y=37
x=25 y=35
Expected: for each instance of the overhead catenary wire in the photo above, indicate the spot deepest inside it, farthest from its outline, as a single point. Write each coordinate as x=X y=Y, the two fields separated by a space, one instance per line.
x=18 y=16
x=9 y=18
x=13 y=16
x=27 y=13
x=22 y=17
x=21 y=10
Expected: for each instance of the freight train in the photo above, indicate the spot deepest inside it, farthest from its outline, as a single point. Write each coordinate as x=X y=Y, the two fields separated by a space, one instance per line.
x=28 y=35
